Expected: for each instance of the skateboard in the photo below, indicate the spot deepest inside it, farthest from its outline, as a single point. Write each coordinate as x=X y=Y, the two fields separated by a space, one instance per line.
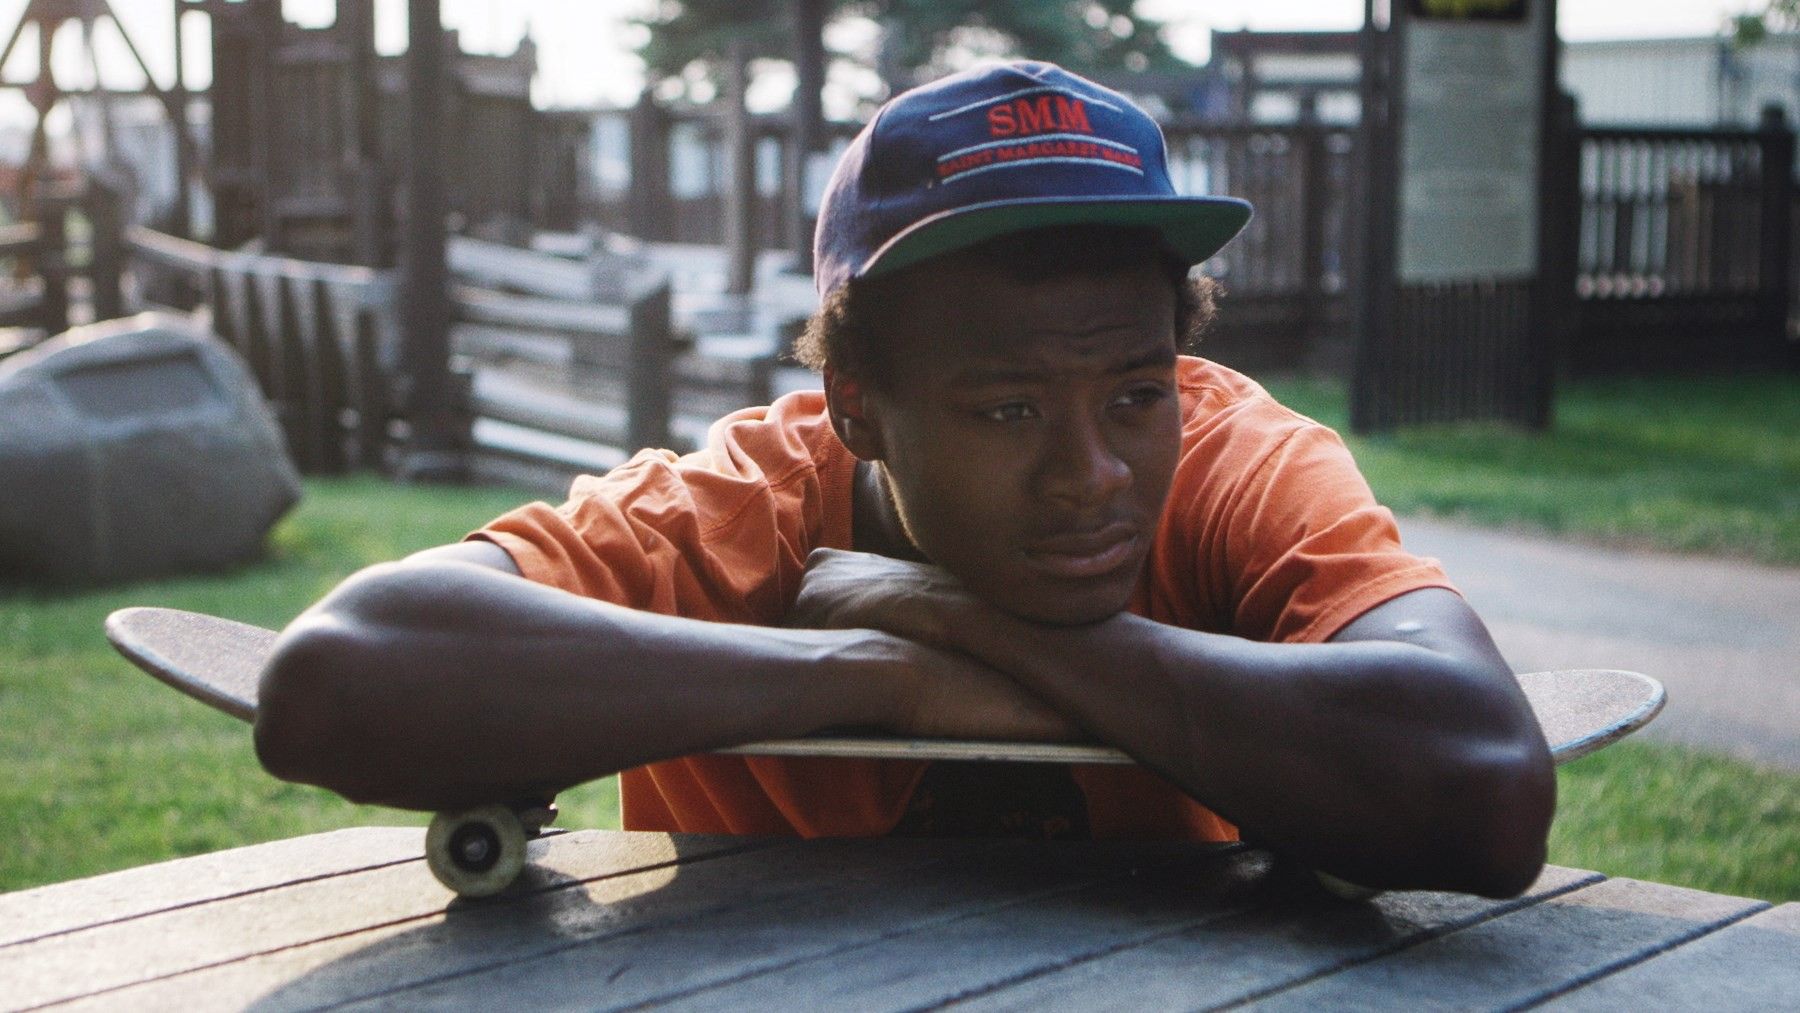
x=480 y=851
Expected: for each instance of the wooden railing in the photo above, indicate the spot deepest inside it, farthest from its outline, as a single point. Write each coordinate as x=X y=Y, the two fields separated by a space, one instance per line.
x=22 y=293
x=1684 y=249
x=565 y=365
x=317 y=337
x=46 y=257
x=569 y=354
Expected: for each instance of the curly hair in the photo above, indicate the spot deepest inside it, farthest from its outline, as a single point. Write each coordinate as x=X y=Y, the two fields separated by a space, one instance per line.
x=846 y=332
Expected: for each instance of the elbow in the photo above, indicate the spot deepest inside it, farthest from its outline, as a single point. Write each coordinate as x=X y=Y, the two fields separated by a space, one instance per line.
x=301 y=706
x=312 y=708
x=1499 y=837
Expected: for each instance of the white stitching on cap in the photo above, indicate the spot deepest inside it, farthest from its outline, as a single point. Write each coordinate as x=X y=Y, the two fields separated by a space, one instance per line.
x=1072 y=93
x=1036 y=138
x=1035 y=161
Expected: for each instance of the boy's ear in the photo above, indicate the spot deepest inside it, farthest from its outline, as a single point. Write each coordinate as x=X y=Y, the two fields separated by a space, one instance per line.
x=852 y=419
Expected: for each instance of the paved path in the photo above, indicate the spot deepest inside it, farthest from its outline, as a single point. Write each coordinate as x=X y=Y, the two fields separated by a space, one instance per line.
x=1723 y=636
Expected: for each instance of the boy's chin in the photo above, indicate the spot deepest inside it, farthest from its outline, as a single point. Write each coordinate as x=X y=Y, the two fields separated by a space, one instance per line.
x=1065 y=610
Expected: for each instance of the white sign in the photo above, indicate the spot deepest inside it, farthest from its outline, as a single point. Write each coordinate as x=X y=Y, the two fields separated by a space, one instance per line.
x=1471 y=119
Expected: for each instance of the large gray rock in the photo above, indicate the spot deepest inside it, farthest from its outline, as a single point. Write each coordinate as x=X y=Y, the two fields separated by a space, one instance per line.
x=134 y=448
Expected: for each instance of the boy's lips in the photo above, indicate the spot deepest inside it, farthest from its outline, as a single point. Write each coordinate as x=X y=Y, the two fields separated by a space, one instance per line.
x=1089 y=554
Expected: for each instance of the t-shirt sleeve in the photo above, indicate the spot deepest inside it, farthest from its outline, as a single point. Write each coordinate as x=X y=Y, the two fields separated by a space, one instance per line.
x=1306 y=548
x=721 y=535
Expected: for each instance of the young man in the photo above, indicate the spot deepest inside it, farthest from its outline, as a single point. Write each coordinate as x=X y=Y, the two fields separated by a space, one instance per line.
x=1014 y=511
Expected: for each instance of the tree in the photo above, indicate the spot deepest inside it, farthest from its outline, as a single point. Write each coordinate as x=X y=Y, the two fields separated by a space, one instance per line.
x=1776 y=16
x=918 y=39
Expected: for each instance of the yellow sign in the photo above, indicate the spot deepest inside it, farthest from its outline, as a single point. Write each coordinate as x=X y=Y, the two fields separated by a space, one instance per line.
x=1467 y=10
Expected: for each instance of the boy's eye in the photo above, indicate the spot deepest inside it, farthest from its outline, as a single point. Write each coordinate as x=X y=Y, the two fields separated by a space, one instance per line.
x=1011 y=411
x=1141 y=397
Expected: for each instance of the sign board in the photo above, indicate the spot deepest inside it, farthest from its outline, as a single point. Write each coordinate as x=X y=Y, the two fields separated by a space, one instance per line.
x=1471 y=130
x=1467 y=10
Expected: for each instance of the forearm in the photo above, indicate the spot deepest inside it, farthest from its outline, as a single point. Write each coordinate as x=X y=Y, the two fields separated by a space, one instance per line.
x=1386 y=763
x=437 y=685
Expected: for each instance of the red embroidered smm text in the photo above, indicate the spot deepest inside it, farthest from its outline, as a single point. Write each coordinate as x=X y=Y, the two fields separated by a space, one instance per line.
x=1041 y=115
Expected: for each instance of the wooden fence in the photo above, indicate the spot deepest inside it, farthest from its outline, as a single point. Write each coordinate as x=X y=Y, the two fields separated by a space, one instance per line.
x=22 y=303
x=319 y=339
x=1684 y=250
x=564 y=365
x=573 y=362
x=47 y=257
x=1285 y=277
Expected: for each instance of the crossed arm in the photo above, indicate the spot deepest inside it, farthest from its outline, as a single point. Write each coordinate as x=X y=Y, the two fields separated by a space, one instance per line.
x=1401 y=755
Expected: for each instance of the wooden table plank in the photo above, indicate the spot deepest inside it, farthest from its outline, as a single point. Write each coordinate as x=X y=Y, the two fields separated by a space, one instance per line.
x=1526 y=955
x=782 y=954
x=608 y=919
x=1752 y=964
x=1260 y=951
x=238 y=927
x=133 y=893
x=833 y=917
x=935 y=963
x=509 y=930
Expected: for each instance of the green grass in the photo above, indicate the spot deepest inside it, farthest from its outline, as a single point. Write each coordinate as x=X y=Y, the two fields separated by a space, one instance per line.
x=1705 y=464
x=1673 y=815
x=105 y=768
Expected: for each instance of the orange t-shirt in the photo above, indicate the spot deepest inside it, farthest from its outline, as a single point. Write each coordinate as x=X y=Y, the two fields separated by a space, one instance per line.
x=1270 y=533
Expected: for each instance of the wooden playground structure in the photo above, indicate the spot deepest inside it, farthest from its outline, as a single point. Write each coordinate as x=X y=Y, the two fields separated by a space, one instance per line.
x=440 y=302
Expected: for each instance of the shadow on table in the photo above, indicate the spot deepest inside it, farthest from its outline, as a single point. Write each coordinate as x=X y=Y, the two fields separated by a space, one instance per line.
x=607 y=920
x=589 y=925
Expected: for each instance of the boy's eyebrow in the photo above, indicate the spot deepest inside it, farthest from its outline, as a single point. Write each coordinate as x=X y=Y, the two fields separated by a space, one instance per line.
x=1163 y=355
x=981 y=375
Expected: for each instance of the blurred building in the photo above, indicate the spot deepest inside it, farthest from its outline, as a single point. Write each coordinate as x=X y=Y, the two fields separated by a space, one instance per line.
x=1283 y=77
x=1686 y=82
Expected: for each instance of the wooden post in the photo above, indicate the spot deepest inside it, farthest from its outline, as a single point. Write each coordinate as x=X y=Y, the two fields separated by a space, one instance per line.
x=258 y=348
x=648 y=391
x=52 y=259
x=1777 y=230
x=265 y=121
x=297 y=359
x=808 y=121
x=333 y=375
x=438 y=426
x=649 y=198
x=1314 y=194
x=1376 y=189
x=740 y=187
x=372 y=392
x=1555 y=313
x=183 y=224
x=369 y=198
x=107 y=264
x=225 y=305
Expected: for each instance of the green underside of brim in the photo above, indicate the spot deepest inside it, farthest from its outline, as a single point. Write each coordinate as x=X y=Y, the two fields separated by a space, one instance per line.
x=1192 y=228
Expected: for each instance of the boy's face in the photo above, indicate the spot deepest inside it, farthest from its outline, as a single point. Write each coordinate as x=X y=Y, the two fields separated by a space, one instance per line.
x=1029 y=431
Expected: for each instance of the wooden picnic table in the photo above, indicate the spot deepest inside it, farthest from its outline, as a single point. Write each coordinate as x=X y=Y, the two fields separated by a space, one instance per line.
x=612 y=919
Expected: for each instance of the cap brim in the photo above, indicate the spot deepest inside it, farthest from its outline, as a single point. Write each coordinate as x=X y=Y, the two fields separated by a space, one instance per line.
x=1193 y=228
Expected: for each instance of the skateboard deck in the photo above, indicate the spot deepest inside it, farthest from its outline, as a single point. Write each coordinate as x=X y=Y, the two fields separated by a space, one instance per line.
x=219 y=662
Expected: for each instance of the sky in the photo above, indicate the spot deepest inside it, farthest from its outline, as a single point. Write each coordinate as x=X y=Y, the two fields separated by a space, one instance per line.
x=584 y=46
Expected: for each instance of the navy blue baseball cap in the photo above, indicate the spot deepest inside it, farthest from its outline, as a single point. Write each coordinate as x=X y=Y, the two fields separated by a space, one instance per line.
x=1002 y=149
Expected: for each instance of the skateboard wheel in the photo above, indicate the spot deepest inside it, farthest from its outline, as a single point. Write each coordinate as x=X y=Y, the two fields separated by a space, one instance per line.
x=477 y=852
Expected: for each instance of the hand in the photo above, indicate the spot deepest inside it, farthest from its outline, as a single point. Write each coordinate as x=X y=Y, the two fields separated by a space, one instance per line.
x=953 y=696
x=860 y=590
x=950 y=694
